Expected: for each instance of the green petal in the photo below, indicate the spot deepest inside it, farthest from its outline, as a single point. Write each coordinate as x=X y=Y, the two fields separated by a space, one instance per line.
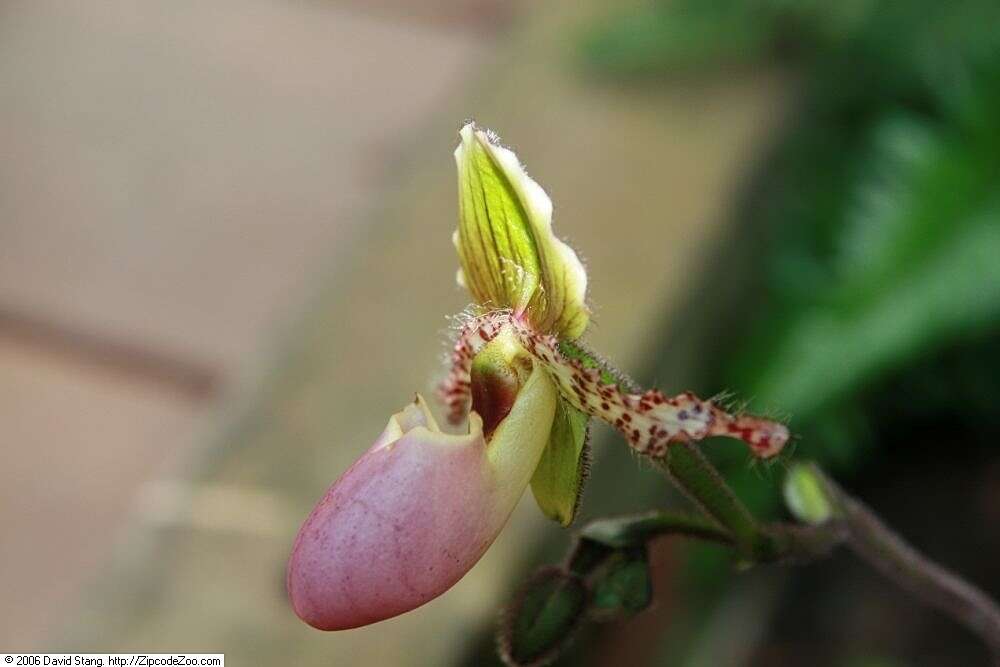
x=509 y=256
x=558 y=480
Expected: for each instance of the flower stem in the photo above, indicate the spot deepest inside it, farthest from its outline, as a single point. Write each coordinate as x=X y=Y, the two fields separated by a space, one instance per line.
x=698 y=479
x=852 y=523
x=935 y=585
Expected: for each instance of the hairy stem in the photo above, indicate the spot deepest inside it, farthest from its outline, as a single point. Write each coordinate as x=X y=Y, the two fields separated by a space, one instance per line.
x=686 y=466
x=853 y=523
x=935 y=585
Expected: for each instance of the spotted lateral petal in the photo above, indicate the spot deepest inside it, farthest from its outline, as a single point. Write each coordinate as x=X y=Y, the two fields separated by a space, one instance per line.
x=649 y=420
x=473 y=334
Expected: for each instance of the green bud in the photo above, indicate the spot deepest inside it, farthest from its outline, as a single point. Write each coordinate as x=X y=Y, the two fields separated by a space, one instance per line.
x=807 y=495
x=625 y=586
x=543 y=618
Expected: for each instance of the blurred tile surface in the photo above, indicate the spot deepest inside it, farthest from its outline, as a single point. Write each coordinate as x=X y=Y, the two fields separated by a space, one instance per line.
x=76 y=443
x=174 y=172
x=175 y=176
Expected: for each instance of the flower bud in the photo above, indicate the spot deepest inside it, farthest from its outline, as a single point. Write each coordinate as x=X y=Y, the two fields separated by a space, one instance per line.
x=807 y=495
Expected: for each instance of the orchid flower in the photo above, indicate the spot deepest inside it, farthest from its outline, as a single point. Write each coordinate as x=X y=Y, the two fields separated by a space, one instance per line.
x=421 y=506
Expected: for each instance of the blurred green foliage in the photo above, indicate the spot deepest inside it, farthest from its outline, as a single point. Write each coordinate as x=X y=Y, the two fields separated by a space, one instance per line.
x=874 y=323
x=897 y=264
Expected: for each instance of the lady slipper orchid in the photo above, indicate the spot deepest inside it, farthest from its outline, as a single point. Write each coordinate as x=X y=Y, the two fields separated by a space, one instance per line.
x=421 y=506
x=415 y=512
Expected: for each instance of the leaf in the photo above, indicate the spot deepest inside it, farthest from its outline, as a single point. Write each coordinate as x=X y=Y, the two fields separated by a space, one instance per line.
x=917 y=268
x=542 y=619
x=586 y=556
x=559 y=478
x=626 y=585
x=636 y=529
x=681 y=37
